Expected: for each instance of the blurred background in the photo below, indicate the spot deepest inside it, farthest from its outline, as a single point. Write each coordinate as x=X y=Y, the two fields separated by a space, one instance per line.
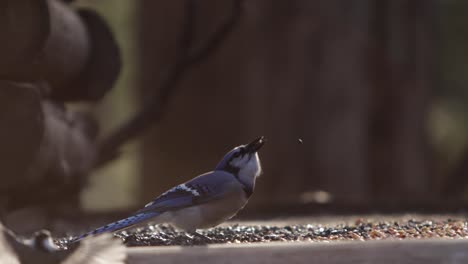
x=375 y=90
x=364 y=103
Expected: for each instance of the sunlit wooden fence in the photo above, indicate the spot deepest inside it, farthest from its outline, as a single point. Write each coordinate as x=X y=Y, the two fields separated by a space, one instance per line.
x=351 y=79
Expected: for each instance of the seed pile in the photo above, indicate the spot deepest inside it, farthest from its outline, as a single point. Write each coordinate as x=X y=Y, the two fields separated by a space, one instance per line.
x=164 y=235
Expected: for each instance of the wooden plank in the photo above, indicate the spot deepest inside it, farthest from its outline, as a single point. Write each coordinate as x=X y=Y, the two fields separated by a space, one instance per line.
x=388 y=251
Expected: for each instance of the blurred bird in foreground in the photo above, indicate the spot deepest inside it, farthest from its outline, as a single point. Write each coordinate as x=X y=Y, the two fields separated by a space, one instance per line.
x=206 y=200
x=40 y=249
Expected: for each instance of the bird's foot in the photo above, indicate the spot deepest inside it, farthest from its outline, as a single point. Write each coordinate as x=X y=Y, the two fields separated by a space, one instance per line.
x=202 y=236
x=202 y=239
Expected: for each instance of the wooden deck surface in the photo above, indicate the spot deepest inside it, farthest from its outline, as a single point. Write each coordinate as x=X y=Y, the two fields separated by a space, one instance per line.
x=388 y=251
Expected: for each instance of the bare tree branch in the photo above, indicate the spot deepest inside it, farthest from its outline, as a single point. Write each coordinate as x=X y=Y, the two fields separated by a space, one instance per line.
x=188 y=57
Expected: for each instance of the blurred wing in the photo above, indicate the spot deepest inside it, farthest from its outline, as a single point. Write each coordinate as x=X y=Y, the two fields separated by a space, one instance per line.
x=103 y=249
x=204 y=188
x=7 y=254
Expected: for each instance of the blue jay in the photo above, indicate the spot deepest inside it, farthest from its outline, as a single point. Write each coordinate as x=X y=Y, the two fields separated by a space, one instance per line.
x=205 y=201
x=41 y=249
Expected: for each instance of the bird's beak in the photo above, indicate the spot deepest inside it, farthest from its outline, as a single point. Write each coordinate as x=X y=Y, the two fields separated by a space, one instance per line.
x=255 y=145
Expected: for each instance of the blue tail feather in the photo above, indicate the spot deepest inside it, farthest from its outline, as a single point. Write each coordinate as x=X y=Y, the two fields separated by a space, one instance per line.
x=118 y=225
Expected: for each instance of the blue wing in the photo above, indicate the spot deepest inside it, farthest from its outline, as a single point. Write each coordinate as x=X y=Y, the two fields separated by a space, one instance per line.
x=204 y=188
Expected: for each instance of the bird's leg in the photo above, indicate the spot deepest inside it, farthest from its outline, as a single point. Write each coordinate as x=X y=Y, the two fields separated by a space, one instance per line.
x=202 y=237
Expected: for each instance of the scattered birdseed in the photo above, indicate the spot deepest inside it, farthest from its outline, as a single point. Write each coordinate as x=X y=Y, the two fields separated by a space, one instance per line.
x=361 y=230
